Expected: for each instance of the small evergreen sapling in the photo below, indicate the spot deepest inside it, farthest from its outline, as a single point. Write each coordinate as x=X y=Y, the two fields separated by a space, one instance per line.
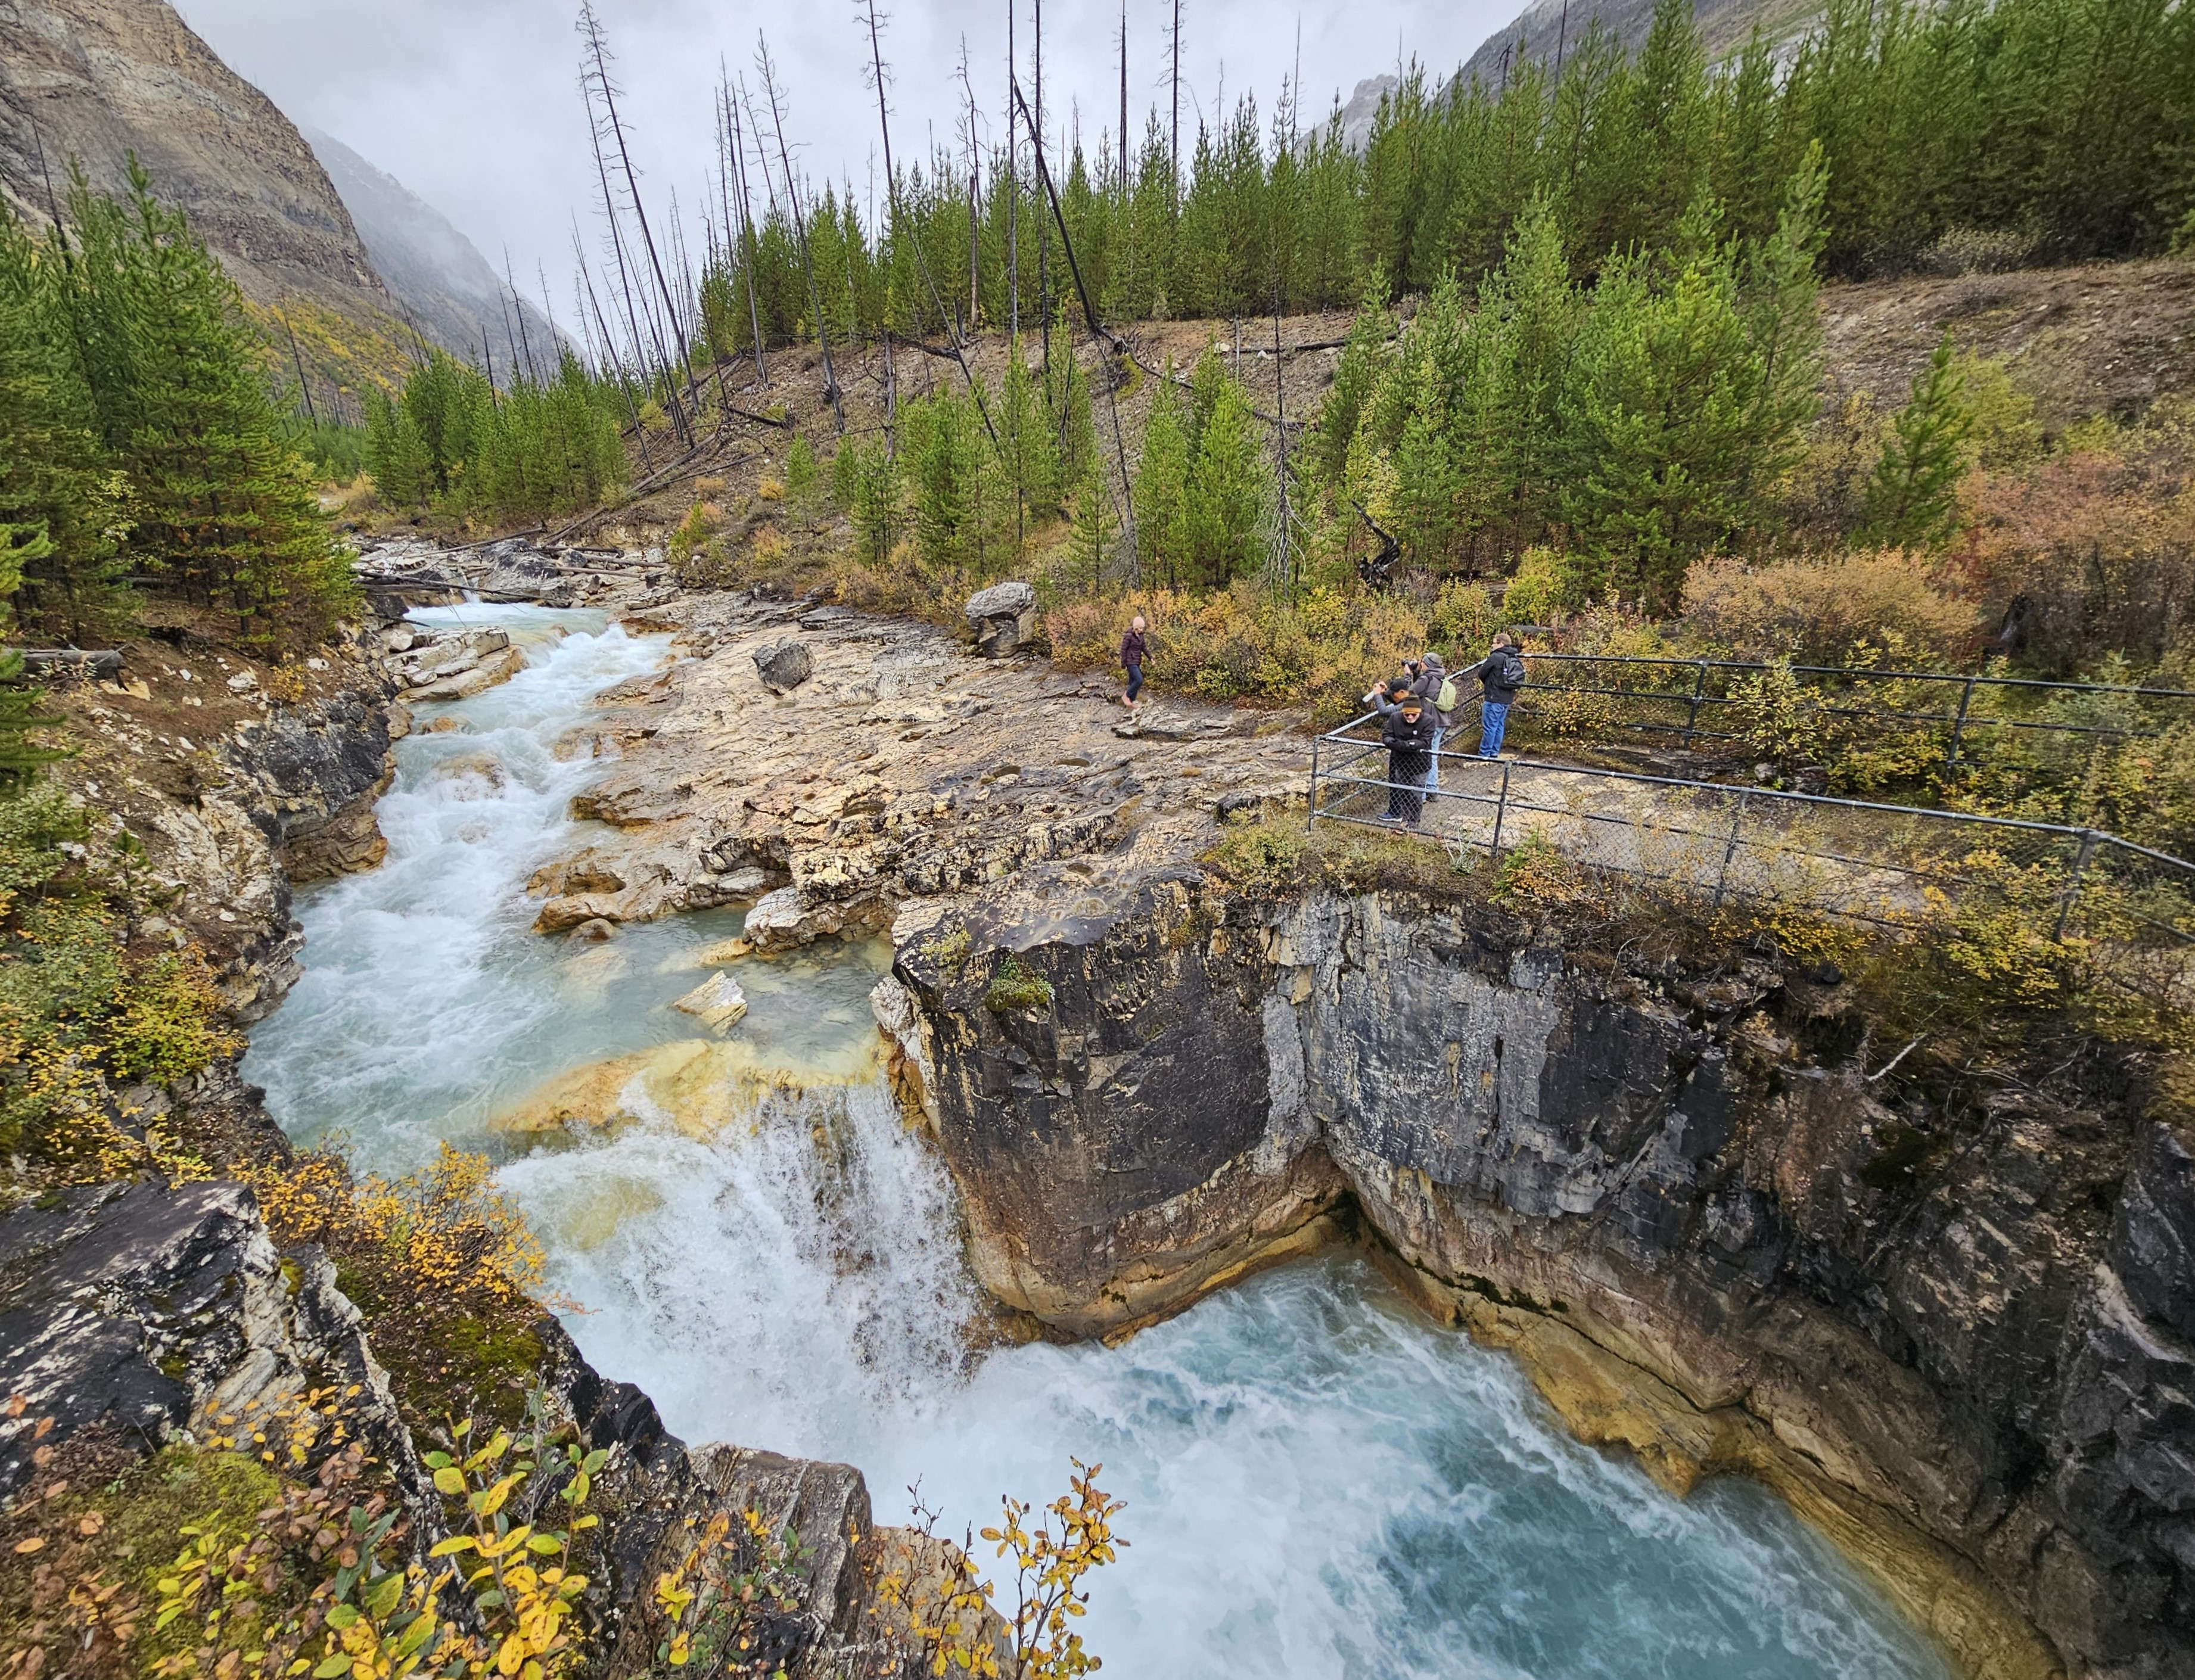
x=1913 y=499
x=21 y=755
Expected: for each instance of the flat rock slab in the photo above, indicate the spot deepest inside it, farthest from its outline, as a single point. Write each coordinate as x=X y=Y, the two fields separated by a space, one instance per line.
x=914 y=772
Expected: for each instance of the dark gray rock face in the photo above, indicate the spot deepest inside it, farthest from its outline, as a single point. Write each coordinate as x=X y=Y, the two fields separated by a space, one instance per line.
x=1951 y=1323
x=783 y=666
x=308 y=777
x=146 y=1308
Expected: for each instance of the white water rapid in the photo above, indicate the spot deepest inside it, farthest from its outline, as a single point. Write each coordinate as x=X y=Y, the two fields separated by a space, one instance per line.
x=1320 y=1483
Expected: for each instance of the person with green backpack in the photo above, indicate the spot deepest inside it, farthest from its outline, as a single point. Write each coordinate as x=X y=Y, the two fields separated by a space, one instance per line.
x=1441 y=696
x=1500 y=673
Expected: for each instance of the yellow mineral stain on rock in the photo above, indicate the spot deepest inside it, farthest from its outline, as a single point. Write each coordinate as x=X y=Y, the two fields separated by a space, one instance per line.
x=705 y=1089
x=595 y=1218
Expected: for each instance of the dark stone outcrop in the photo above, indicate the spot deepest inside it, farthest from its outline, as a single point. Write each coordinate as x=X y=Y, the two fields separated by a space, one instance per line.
x=1951 y=1321
x=146 y=1308
x=1002 y=618
x=153 y=1314
x=783 y=666
x=308 y=776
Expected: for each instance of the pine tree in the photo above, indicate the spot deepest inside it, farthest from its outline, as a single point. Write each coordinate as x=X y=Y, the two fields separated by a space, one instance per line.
x=21 y=755
x=60 y=499
x=1355 y=378
x=1226 y=486
x=800 y=476
x=1660 y=427
x=1778 y=301
x=1912 y=500
x=224 y=510
x=396 y=455
x=1089 y=540
x=941 y=446
x=1027 y=444
x=1160 y=495
x=1538 y=311
x=874 y=478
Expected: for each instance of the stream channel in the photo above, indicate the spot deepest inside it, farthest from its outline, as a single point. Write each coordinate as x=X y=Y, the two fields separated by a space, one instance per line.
x=1319 y=1482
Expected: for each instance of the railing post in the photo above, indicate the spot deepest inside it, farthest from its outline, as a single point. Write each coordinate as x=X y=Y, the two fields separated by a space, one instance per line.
x=1501 y=810
x=2073 y=886
x=1699 y=691
x=1730 y=848
x=1959 y=727
x=1310 y=817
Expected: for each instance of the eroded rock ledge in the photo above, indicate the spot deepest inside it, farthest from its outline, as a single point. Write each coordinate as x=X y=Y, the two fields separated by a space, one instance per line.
x=1951 y=1323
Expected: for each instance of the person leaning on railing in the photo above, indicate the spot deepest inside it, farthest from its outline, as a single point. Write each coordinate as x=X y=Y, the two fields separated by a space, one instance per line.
x=1500 y=673
x=1407 y=732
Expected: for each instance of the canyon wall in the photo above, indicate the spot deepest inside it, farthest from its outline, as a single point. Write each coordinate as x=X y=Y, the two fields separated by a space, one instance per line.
x=1949 y=1318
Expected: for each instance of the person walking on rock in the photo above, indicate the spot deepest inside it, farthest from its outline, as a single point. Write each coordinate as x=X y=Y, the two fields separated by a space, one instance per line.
x=1408 y=735
x=1132 y=660
x=1500 y=673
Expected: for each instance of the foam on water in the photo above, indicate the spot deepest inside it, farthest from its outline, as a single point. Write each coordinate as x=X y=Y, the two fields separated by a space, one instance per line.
x=1319 y=1483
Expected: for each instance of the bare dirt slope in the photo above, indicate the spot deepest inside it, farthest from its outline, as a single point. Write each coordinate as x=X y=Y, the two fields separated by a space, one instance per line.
x=2102 y=338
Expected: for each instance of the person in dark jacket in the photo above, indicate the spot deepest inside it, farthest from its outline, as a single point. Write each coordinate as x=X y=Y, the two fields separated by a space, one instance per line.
x=1500 y=673
x=1132 y=660
x=1408 y=735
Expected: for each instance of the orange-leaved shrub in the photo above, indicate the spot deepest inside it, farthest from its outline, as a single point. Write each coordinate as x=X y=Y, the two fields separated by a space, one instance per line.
x=2094 y=550
x=1244 y=643
x=1821 y=611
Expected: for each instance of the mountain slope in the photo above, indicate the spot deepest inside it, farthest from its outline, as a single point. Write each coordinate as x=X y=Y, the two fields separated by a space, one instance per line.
x=92 y=81
x=438 y=276
x=1547 y=27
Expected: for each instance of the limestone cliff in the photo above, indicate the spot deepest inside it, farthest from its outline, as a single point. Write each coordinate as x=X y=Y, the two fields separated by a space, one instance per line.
x=93 y=82
x=1949 y=1318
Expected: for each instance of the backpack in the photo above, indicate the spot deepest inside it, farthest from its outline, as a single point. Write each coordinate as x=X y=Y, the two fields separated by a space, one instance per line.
x=1509 y=669
x=1445 y=700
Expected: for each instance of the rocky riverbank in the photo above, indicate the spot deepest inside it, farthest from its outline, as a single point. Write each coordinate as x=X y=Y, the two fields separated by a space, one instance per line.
x=141 y=1313
x=1945 y=1312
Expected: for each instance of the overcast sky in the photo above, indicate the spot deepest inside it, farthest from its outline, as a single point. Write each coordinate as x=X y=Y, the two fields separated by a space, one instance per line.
x=474 y=104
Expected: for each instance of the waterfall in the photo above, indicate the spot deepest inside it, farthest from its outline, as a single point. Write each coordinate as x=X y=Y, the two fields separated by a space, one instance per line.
x=1319 y=1483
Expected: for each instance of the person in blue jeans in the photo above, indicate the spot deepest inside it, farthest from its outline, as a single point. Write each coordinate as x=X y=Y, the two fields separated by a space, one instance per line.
x=1132 y=660
x=1432 y=678
x=1500 y=673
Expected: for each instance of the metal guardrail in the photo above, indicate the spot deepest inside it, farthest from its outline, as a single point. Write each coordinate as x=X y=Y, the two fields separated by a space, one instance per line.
x=1892 y=866
x=1696 y=695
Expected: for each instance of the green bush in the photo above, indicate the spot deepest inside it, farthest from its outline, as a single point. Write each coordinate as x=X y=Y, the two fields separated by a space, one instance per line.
x=1015 y=986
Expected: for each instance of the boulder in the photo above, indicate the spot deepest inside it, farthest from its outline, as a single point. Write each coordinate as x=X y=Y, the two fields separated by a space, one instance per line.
x=718 y=1002
x=783 y=666
x=462 y=685
x=781 y=920
x=1003 y=617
